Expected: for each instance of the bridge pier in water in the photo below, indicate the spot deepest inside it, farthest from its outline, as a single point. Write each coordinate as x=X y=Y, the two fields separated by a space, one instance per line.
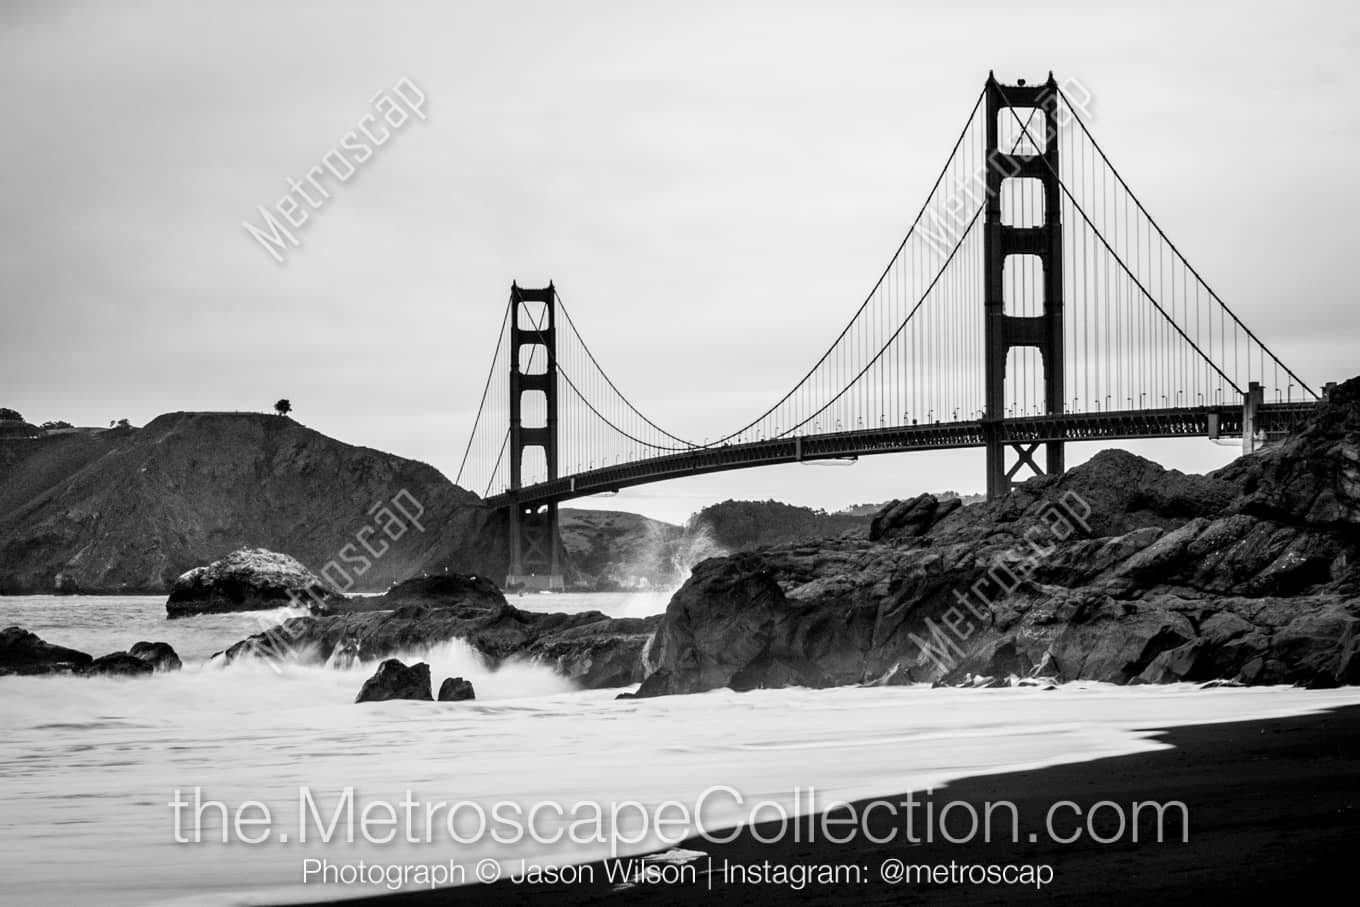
x=535 y=545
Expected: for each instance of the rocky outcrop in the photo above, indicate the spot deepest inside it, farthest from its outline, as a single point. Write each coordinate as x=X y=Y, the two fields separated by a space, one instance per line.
x=130 y=509
x=160 y=655
x=251 y=579
x=910 y=518
x=456 y=689
x=394 y=680
x=24 y=652
x=588 y=647
x=120 y=664
x=1117 y=571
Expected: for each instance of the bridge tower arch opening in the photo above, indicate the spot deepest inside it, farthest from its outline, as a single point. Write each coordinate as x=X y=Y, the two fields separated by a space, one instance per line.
x=535 y=544
x=1028 y=115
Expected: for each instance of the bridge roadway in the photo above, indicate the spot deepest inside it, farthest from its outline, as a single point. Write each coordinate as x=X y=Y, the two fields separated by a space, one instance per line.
x=1275 y=419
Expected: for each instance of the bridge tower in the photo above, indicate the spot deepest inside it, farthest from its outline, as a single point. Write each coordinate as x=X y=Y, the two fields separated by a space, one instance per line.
x=1005 y=332
x=535 y=545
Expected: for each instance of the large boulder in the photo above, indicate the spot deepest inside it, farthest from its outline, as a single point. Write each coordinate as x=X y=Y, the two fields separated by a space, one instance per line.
x=731 y=624
x=249 y=579
x=160 y=655
x=394 y=680
x=597 y=653
x=24 y=652
x=120 y=664
x=456 y=689
x=444 y=590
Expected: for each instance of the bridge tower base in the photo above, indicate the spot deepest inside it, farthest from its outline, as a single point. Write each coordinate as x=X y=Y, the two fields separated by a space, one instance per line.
x=535 y=543
x=1004 y=332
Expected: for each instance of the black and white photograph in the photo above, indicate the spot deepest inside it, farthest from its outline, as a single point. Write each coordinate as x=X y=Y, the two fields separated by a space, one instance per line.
x=624 y=453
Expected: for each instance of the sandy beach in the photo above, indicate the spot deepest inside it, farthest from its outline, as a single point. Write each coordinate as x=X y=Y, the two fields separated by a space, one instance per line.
x=1274 y=811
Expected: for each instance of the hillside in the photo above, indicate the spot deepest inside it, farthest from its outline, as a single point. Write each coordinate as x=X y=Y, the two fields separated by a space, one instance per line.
x=129 y=509
x=740 y=525
x=610 y=549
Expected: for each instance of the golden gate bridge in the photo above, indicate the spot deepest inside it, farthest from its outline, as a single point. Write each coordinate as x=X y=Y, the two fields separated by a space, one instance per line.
x=1033 y=301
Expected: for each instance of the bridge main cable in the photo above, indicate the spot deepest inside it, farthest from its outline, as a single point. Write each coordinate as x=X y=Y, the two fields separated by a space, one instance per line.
x=1071 y=108
x=958 y=143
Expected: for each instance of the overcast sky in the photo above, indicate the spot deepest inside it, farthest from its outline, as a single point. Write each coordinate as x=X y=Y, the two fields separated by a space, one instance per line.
x=693 y=176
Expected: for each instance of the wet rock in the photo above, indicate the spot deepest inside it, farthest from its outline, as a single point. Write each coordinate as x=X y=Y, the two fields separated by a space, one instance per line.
x=588 y=647
x=446 y=590
x=250 y=579
x=160 y=655
x=120 y=664
x=24 y=652
x=394 y=680
x=456 y=689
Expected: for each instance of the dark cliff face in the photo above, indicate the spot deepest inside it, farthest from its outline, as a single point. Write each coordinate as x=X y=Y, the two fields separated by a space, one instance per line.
x=132 y=509
x=1119 y=571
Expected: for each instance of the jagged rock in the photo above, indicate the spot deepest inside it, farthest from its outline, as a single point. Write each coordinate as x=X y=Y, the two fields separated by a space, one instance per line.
x=120 y=664
x=732 y=625
x=606 y=652
x=910 y=518
x=1118 y=571
x=24 y=652
x=588 y=647
x=249 y=579
x=160 y=655
x=394 y=680
x=456 y=689
x=1313 y=477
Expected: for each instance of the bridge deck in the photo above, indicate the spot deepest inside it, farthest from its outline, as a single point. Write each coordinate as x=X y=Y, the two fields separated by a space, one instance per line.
x=1274 y=418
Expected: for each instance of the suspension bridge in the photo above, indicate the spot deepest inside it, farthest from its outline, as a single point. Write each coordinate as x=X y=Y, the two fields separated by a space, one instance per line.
x=1033 y=301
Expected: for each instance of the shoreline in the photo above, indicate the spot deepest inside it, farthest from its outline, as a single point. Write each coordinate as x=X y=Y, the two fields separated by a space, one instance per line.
x=1273 y=807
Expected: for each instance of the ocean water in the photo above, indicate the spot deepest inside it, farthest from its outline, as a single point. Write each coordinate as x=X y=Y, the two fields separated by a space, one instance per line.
x=89 y=767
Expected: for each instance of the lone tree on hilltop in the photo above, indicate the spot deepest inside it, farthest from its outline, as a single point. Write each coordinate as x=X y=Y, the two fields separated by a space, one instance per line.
x=283 y=407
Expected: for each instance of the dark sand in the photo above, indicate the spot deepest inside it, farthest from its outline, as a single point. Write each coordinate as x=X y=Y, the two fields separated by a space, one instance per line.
x=1274 y=817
